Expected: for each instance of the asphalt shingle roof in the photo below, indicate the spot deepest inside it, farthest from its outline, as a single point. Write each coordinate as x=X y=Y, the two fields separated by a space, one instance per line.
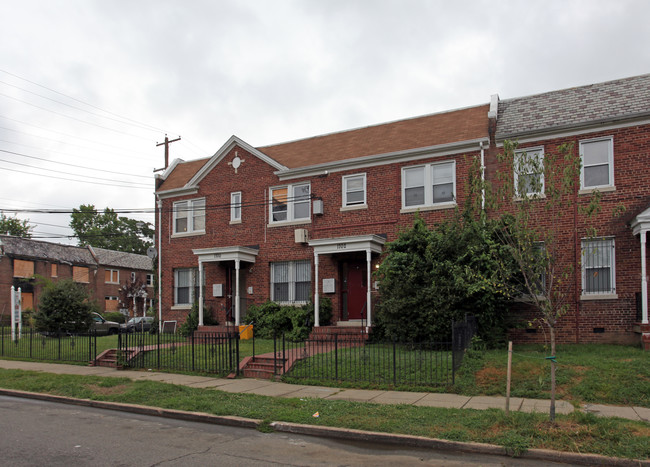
x=612 y=100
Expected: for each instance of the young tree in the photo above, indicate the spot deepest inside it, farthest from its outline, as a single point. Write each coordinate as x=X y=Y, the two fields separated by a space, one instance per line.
x=15 y=226
x=64 y=306
x=537 y=191
x=107 y=230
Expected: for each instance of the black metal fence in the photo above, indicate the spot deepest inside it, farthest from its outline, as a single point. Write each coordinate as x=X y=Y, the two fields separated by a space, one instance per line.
x=355 y=359
x=63 y=347
x=214 y=353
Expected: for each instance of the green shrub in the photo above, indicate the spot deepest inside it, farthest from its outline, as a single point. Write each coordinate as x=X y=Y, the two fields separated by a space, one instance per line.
x=64 y=306
x=191 y=324
x=115 y=316
x=296 y=322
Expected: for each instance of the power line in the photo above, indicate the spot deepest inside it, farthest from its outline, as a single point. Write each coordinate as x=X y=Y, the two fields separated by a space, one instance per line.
x=74 y=165
x=82 y=102
x=67 y=173
x=73 y=118
x=73 y=180
x=66 y=135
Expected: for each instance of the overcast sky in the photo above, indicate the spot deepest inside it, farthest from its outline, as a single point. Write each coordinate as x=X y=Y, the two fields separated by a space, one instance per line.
x=88 y=87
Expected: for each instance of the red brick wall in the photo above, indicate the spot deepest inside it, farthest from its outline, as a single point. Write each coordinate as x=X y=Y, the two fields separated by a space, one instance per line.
x=383 y=217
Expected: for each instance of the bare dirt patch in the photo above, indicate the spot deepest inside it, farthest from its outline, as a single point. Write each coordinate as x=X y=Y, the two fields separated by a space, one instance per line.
x=490 y=376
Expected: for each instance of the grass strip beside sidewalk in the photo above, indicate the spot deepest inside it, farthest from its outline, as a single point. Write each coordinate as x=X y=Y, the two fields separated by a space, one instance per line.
x=578 y=432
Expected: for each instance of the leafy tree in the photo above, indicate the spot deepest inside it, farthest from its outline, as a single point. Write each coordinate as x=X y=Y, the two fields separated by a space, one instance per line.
x=537 y=195
x=130 y=290
x=15 y=226
x=430 y=277
x=64 y=306
x=108 y=230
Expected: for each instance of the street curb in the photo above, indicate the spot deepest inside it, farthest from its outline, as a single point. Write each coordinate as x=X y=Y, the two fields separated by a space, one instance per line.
x=337 y=433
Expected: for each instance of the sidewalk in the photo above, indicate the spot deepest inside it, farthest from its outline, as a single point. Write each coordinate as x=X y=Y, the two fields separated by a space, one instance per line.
x=278 y=389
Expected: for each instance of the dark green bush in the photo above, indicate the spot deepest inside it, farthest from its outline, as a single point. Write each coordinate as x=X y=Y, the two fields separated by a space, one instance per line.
x=115 y=316
x=191 y=324
x=296 y=322
x=64 y=306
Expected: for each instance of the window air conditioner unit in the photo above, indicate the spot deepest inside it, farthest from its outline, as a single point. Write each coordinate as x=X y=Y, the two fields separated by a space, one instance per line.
x=301 y=235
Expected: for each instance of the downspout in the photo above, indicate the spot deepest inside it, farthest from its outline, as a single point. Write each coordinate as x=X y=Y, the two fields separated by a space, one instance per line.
x=159 y=264
x=482 y=177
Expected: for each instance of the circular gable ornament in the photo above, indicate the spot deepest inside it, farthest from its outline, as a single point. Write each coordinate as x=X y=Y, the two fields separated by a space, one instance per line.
x=236 y=162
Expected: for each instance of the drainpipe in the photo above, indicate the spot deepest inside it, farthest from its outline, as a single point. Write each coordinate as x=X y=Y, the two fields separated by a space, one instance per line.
x=159 y=264
x=482 y=176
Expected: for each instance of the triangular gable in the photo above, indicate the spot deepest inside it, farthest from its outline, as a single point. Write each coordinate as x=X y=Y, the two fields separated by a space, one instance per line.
x=223 y=151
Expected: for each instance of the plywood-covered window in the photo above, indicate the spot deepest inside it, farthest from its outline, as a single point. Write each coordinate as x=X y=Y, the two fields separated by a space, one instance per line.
x=111 y=304
x=80 y=274
x=27 y=301
x=55 y=270
x=23 y=268
x=112 y=276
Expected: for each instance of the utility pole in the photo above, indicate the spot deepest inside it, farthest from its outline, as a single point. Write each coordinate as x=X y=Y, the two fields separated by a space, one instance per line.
x=166 y=143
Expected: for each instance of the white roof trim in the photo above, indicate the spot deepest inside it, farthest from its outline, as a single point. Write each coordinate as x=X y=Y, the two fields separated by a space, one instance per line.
x=228 y=253
x=225 y=149
x=384 y=159
x=328 y=246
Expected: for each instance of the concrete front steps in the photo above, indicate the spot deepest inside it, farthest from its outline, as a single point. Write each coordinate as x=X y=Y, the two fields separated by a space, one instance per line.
x=262 y=366
x=109 y=358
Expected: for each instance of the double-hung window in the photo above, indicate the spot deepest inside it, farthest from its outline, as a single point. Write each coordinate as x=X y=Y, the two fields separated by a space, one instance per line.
x=529 y=171
x=291 y=281
x=235 y=206
x=597 y=163
x=354 y=190
x=598 y=267
x=186 y=286
x=290 y=203
x=189 y=216
x=429 y=185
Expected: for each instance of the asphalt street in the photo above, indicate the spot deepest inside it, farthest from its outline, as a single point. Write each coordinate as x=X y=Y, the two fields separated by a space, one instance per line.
x=37 y=433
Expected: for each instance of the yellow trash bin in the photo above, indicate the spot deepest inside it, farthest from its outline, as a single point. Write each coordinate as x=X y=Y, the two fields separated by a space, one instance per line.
x=246 y=331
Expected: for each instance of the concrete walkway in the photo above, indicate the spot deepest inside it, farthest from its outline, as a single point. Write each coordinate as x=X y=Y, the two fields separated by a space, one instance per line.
x=278 y=389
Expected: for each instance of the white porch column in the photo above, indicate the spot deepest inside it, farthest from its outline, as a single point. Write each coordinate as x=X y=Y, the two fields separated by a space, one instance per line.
x=644 y=281
x=316 y=299
x=200 y=293
x=237 y=263
x=369 y=288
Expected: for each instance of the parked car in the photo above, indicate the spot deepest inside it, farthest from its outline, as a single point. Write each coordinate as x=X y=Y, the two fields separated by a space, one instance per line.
x=137 y=324
x=103 y=327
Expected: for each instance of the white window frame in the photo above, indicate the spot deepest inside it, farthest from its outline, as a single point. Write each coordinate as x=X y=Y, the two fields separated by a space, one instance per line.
x=191 y=207
x=149 y=280
x=291 y=281
x=193 y=294
x=345 y=190
x=429 y=185
x=610 y=162
x=133 y=276
x=535 y=152
x=235 y=206
x=291 y=203
x=586 y=265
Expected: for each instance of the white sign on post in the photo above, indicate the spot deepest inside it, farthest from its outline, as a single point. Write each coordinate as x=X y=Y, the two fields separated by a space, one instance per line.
x=16 y=313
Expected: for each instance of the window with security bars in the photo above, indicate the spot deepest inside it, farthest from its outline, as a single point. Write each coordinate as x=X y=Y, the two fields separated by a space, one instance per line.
x=291 y=281
x=598 y=266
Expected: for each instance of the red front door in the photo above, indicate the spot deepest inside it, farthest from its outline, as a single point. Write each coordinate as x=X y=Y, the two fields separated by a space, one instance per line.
x=354 y=291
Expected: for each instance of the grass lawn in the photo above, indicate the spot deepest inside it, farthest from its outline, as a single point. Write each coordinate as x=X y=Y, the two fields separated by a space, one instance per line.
x=577 y=432
x=606 y=374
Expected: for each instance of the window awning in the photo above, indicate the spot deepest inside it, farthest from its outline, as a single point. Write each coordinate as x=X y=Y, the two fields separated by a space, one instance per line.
x=329 y=246
x=641 y=223
x=228 y=253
